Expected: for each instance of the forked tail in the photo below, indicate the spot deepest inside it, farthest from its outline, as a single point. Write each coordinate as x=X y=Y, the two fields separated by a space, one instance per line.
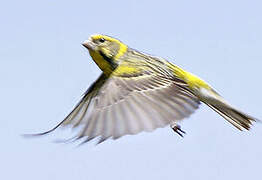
x=237 y=118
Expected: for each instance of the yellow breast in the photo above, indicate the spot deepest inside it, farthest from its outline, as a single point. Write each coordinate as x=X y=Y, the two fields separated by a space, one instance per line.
x=101 y=63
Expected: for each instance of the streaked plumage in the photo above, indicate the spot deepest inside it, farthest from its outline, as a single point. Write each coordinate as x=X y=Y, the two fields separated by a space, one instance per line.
x=138 y=92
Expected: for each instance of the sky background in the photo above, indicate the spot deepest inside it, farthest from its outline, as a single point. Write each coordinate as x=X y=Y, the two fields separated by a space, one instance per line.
x=44 y=70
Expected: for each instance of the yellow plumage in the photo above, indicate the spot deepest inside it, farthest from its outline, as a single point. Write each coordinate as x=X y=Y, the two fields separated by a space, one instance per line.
x=138 y=92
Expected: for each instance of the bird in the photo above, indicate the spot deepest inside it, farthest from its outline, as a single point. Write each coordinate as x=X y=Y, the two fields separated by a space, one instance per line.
x=139 y=92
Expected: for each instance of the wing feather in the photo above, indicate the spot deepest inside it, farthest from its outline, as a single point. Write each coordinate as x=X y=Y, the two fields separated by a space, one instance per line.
x=116 y=106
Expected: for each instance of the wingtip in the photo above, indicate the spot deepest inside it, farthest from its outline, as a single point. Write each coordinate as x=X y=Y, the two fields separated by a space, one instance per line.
x=34 y=135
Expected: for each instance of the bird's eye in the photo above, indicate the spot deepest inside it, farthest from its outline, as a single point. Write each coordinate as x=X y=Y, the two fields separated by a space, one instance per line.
x=102 y=40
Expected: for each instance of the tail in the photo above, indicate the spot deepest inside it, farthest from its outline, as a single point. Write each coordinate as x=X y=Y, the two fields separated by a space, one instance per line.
x=237 y=118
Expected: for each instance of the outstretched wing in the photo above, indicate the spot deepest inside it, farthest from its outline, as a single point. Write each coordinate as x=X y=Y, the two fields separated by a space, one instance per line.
x=120 y=105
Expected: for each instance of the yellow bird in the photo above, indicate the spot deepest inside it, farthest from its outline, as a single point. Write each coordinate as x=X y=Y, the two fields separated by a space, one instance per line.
x=138 y=92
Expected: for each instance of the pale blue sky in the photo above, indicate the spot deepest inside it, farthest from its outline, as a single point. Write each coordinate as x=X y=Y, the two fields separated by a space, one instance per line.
x=44 y=70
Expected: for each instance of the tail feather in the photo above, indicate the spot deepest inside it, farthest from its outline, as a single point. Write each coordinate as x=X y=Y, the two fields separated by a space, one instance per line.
x=235 y=117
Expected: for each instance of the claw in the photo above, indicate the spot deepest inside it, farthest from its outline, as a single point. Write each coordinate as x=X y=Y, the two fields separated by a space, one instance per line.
x=178 y=130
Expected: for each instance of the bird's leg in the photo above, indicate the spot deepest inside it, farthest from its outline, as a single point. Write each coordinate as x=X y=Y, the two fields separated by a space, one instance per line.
x=177 y=129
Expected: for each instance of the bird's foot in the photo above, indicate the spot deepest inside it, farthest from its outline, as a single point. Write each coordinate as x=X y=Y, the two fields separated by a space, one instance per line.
x=178 y=130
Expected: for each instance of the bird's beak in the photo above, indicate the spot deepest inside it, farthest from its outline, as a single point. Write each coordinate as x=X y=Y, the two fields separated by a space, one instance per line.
x=89 y=44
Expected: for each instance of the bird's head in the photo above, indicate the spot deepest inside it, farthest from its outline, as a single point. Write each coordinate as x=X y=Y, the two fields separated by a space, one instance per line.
x=105 y=51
